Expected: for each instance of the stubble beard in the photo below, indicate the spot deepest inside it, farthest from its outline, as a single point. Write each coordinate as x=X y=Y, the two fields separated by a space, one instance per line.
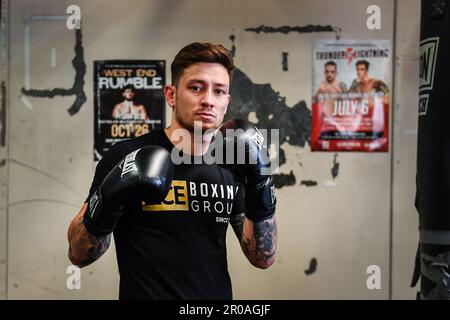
x=183 y=123
x=186 y=125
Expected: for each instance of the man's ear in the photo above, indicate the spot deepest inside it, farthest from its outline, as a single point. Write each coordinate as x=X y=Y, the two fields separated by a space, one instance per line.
x=170 y=94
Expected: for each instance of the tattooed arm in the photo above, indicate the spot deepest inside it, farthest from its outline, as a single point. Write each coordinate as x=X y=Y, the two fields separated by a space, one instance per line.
x=84 y=248
x=258 y=239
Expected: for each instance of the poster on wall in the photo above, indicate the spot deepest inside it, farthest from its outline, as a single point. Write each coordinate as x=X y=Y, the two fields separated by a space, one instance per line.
x=128 y=100
x=351 y=95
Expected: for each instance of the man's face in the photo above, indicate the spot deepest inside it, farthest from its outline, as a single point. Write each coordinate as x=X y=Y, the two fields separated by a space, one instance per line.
x=361 y=71
x=128 y=94
x=330 y=73
x=202 y=95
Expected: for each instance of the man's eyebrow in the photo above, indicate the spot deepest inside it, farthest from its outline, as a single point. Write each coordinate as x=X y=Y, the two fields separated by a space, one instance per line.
x=196 y=80
x=217 y=84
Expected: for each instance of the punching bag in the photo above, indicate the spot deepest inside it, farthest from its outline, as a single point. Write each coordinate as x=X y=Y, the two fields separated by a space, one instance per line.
x=433 y=153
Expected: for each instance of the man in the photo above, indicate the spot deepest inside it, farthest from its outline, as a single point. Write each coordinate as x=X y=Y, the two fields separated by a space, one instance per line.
x=128 y=109
x=364 y=83
x=172 y=245
x=372 y=90
x=330 y=84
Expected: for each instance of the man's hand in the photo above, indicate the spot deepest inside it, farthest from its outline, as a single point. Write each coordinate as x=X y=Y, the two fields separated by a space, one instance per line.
x=256 y=229
x=147 y=172
x=84 y=248
x=260 y=200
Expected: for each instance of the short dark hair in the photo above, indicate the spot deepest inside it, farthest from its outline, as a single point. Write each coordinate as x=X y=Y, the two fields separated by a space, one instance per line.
x=129 y=86
x=364 y=62
x=201 y=52
x=330 y=63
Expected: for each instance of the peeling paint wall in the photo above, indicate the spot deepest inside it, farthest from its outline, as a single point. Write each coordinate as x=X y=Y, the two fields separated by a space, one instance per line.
x=337 y=212
x=77 y=88
x=333 y=209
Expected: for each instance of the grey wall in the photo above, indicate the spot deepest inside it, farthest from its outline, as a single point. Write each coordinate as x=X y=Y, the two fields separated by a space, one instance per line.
x=405 y=219
x=3 y=146
x=347 y=225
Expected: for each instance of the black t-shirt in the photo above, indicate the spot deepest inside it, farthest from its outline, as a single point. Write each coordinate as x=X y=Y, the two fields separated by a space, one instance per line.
x=177 y=249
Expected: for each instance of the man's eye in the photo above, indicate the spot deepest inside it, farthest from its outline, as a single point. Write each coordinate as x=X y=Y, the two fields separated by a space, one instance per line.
x=221 y=92
x=195 y=88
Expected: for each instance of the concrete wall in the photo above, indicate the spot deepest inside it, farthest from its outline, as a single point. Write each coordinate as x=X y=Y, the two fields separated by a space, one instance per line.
x=405 y=220
x=4 y=37
x=345 y=226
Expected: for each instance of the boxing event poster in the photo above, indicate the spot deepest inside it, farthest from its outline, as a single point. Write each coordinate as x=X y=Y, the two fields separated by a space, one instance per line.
x=128 y=100
x=351 y=95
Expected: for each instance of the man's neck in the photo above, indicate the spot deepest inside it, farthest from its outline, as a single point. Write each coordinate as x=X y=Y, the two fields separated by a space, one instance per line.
x=190 y=143
x=365 y=79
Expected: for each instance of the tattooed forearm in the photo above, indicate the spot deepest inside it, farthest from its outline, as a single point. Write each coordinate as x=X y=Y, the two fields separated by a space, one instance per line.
x=84 y=248
x=258 y=239
x=237 y=222
x=266 y=239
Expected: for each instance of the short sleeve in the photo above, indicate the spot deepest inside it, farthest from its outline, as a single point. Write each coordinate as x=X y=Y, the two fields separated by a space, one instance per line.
x=111 y=158
x=239 y=200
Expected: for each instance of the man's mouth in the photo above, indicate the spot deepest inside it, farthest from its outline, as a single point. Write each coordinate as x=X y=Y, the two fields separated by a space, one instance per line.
x=206 y=116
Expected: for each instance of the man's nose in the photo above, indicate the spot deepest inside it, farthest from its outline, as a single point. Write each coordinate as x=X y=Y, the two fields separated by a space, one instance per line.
x=208 y=98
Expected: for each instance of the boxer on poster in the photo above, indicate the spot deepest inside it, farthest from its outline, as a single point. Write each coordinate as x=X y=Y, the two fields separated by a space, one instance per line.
x=128 y=108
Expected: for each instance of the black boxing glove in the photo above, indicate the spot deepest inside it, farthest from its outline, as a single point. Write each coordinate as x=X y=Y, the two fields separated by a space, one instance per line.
x=147 y=172
x=251 y=165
